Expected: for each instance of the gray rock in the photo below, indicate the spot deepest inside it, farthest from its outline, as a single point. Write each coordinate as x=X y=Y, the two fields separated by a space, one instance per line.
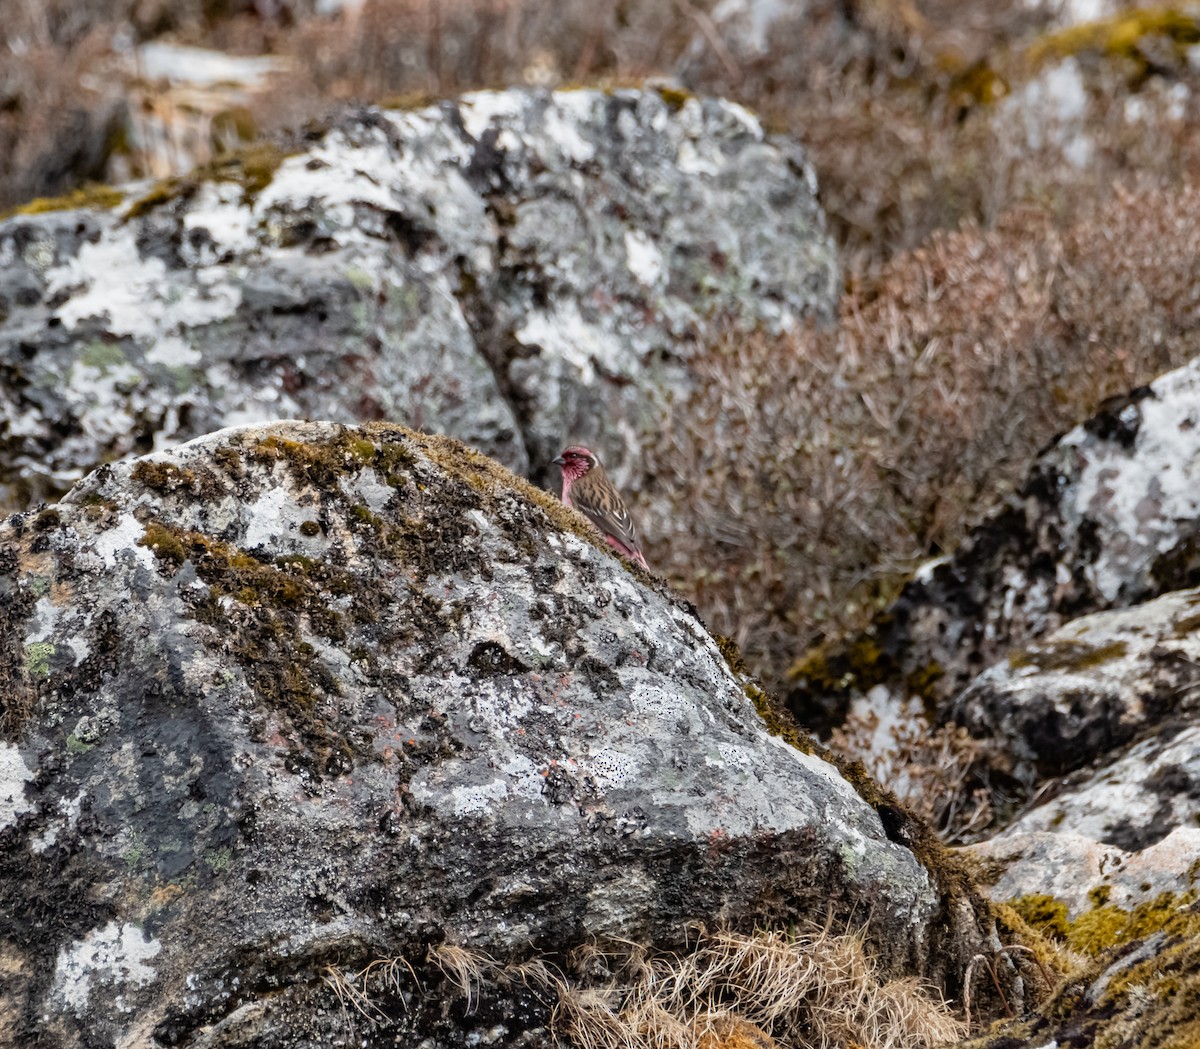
x=289 y=700
x=1078 y=869
x=514 y=269
x=1108 y=517
x=1084 y=692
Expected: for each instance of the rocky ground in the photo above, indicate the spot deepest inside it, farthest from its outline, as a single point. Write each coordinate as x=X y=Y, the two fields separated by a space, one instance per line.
x=883 y=316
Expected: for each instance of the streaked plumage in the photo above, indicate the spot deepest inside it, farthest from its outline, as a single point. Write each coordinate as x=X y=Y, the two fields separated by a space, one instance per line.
x=587 y=488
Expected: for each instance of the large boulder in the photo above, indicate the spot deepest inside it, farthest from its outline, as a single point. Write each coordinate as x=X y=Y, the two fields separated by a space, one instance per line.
x=512 y=268
x=300 y=701
x=1092 y=735
x=1108 y=517
x=1089 y=689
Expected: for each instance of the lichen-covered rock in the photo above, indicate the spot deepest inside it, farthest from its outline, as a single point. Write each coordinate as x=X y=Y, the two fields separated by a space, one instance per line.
x=1108 y=517
x=513 y=268
x=291 y=700
x=1090 y=688
x=1079 y=870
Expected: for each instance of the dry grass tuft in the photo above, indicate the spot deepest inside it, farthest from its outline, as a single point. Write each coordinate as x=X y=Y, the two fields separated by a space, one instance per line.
x=466 y=970
x=358 y=992
x=767 y=990
x=800 y=990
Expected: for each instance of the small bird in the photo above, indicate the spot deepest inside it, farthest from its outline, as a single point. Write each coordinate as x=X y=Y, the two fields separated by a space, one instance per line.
x=586 y=487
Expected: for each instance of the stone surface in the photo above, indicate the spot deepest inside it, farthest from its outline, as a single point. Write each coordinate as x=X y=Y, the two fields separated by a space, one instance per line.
x=514 y=269
x=290 y=700
x=1108 y=517
x=1087 y=690
x=1077 y=869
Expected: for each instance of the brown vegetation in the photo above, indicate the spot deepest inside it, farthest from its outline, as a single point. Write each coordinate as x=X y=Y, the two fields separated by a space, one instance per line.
x=806 y=475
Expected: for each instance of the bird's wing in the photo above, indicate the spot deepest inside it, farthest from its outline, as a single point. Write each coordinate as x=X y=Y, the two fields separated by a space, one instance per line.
x=601 y=504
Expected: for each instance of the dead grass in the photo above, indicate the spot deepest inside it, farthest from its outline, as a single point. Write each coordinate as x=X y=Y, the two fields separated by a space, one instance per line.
x=799 y=990
x=813 y=989
x=466 y=970
x=358 y=993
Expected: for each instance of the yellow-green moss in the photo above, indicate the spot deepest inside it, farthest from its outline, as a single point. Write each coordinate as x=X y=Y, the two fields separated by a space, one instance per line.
x=1172 y=913
x=923 y=681
x=163 y=477
x=836 y=667
x=1044 y=913
x=1067 y=656
x=675 y=98
x=163 y=543
x=409 y=101
x=977 y=84
x=1104 y=926
x=1186 y=627
x=37 y=658
x=252 y=168
x=92 y=195
x=1119 y=35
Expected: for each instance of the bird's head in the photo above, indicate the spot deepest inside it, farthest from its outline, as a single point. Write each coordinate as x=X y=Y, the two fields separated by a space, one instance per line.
x=575 y=462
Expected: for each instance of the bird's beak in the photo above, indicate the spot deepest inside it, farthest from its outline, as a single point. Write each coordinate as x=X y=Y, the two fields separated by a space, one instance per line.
x=560 y=461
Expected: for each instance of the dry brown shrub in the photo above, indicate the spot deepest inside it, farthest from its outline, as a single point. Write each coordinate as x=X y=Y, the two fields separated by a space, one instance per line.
x=412 y=49
x=804 y=475
x=932 y=770
x=54 y=133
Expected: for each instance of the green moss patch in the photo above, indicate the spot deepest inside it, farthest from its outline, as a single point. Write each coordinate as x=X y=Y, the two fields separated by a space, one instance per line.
x=278 y=601
x=1044 y=913
x=1068 y=656
x=1142 y=988
x=1121 y=35
x=252 y=168
x=95 y=196
x=167 y=478
x=37 y=658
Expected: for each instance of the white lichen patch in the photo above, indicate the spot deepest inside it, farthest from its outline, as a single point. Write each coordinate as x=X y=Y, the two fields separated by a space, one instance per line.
x=67 y=817
x=220 y=211
x=119 y=544
x=473 y=799
x=111 y=278
x=339 y=176
x=644 y=258
x=611 y=768
x=1138 y=495
x=500 y=709
x=524 y=779
x=269 y=517
x=172 y=351
x=656 y=703
x=115 y=955
x=562 y=332
x=566 y=119
x=14 y=774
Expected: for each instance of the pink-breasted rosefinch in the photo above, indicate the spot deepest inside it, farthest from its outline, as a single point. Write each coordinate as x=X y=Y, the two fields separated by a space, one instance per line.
x=586 y=487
